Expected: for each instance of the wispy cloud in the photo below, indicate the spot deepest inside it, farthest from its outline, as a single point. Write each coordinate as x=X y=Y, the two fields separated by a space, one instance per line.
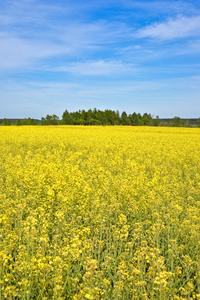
x=109 y=53
x=21 y=53
x=72 y=40
x=99 y=67
x=180 y=27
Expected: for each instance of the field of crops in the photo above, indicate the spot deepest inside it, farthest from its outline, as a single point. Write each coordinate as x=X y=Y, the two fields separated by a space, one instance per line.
x=99 y=213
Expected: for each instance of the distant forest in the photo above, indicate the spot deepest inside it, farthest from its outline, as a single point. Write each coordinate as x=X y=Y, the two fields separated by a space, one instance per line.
x=106 y=117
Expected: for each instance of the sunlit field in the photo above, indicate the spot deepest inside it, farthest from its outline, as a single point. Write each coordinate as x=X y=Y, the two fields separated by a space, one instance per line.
x=99 y=213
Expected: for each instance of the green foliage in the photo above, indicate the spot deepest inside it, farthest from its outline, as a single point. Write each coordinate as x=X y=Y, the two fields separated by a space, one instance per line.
x=147 y=119
x=176 y=121
x=111 y=117
x=18 y=123
x=106 y=117
x=50 y=120
x=156 y=121
x=28 y=121
x=124 y=118
x=6 y=122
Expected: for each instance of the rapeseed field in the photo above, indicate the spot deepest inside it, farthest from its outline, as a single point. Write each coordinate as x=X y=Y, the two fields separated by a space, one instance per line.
x=99 y=213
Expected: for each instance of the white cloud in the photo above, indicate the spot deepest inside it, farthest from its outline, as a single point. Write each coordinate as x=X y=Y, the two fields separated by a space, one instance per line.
x=19 y=53
x=181 y=27
x=99 y=67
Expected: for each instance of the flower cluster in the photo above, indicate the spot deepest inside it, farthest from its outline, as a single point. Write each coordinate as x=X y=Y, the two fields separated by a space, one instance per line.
x=99 y=213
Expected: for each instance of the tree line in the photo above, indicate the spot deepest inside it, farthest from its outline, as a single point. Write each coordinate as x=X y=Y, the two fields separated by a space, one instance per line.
x=99 y=117
x=18 y=122
x=106 y=117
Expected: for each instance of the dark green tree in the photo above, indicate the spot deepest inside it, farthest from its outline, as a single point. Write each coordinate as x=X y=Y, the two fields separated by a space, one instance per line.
x=28 y=121
x=124 y=118
x=147 y=119
x=6 y=122
x=43 y=121
x=176 y=121
x=50 y=120
x=89 y=116
x=83 y=117
x=116 y=117
x=18 y=123
x=67 y=118
x=134 y=119
x=99 y=117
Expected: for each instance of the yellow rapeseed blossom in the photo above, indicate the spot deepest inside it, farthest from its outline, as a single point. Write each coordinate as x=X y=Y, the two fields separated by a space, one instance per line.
x=99 y=213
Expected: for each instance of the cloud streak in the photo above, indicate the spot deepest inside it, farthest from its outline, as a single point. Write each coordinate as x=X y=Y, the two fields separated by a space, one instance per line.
x=99 y=67
x=21 y=53
x=76 y=54
x=180 y=27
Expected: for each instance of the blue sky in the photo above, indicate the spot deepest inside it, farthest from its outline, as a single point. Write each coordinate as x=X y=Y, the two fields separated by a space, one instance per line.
x=138 y=56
